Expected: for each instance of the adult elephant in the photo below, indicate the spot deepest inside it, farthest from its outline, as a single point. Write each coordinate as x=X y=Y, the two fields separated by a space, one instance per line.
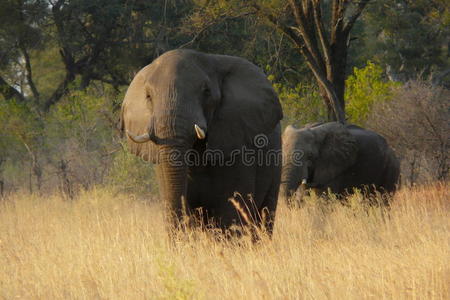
x=194 y=115
x=336 y=157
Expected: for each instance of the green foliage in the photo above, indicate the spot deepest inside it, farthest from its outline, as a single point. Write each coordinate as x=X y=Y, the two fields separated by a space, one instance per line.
x=19 y=125
x=131 y=175
x=21 y=131
x=78 y=134
x=74 y=46
x=48 y=69
x=20 y=27
x=79 y=131
x=232 y=28
x=83 y=116
x=364 y=88
x=116 y=37
x=301 y=104
x=409 y=36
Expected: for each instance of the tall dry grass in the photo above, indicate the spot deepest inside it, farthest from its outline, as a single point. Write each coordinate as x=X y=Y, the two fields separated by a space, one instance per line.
x=115 y=247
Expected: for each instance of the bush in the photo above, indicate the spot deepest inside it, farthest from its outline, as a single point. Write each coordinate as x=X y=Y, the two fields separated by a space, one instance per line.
x=21 y=137
x=301 y=104
x=416 y=125
x=365 y=88
x=79 y=139
x=72 y=147
x=131 y=175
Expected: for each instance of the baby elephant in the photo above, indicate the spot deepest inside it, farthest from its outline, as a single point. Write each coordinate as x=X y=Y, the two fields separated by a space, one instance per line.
x=336 y=157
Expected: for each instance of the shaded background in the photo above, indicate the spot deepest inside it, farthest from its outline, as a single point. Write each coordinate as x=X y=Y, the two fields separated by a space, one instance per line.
x=65 y=65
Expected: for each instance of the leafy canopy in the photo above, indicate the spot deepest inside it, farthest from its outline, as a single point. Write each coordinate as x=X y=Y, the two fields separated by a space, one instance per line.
x=365 y=88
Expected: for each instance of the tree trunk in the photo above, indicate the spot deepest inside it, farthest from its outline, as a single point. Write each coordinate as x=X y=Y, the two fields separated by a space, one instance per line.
x=66 y=185
x=325 y=50
x=338 y=69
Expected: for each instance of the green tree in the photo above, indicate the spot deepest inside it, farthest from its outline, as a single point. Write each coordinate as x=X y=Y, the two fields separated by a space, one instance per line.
x=130 y=174
x=218 y=28
x=409 y=38
x=365 y=88
x=319 y=30
x=79 y=137
x=21 y=139
x=20 y=31
x=106 y=40
x=301 y=104
x=100 y=40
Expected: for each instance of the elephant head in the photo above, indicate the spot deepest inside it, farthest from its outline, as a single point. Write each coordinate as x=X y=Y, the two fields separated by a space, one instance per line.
x=315 y=155
x=186 y=99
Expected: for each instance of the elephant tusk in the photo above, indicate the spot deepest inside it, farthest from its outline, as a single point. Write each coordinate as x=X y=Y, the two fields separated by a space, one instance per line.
x=304 y=181
x=139 y=139
x=200 y=133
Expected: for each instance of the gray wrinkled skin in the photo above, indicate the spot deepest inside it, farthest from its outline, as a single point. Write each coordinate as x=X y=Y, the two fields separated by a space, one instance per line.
x=231 y=100
x=336 y=157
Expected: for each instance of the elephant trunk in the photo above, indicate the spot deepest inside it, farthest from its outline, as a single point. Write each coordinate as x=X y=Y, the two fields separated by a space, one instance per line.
x=173 y=183
x=288 y=183
x=293 y=178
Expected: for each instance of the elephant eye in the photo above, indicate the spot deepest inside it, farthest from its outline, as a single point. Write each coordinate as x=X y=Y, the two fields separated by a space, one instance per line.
x=148 y=100
x=148 y=92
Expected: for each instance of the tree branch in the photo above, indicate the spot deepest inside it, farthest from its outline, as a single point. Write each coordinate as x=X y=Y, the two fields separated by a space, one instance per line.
x=59 y=92
x=330 y=91
x=337 y=20
x=352 y=19
x=438 y=79
x=303 y=16
x=318 y=71
x=29 y=74
x=9 y=91
x=321 y=33
x=296 y=10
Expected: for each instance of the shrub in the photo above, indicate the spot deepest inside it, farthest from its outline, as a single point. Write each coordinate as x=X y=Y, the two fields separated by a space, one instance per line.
x=415 y=123
x=365 y=88
x=301 y=104
x=130 y=174
x=79 y=140
x=21 y=137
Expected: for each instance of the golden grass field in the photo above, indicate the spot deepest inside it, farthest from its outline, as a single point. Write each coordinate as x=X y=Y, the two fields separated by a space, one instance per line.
x=106 y=246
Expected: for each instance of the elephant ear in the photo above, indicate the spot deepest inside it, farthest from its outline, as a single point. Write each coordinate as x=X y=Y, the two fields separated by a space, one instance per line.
x=249 y=107
x=338 y=151
x=135 y=117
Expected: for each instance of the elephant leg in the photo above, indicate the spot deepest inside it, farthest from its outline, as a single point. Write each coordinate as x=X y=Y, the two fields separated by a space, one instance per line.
x=197 y=201
x=268 y=209
x=269 y=178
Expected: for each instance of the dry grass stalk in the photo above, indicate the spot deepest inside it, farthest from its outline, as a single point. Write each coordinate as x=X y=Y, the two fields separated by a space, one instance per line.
x=103 y=245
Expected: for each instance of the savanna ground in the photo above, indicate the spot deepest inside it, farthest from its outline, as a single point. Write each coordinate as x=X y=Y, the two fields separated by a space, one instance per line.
x=103 y=245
